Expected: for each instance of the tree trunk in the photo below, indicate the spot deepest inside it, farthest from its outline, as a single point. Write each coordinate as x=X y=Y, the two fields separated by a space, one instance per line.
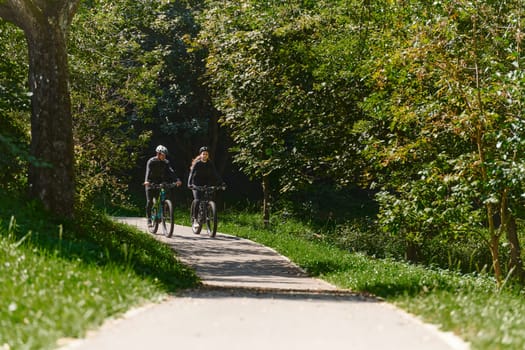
x=412 y=251
x=494 y=251
x=515 y=249
x=45 y=24
x=494 y=243
x=51 y=177
x=266 y=200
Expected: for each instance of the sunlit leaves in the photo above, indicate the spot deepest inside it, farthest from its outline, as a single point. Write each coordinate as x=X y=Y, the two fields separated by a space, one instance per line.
x=281 y=77
x=113 y=93
x=450 y=87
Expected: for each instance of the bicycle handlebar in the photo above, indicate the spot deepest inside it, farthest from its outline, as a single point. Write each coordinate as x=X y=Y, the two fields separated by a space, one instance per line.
x=162 y=185
x=208 y=188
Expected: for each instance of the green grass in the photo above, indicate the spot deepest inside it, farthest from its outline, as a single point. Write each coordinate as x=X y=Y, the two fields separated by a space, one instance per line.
x=60 y=279
x=471 y=306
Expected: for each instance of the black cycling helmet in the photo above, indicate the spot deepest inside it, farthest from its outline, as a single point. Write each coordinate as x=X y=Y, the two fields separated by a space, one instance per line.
x=161 y=149
x=203 y=149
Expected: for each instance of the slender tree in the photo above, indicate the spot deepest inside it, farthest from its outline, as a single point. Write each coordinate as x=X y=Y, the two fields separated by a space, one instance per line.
x=45 y=24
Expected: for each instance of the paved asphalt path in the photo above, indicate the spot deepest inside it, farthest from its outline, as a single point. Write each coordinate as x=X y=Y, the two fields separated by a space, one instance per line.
x=253 y=298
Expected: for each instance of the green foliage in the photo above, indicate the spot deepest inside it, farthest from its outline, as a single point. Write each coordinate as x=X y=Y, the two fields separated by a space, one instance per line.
x=113 y=94
x=14 y=107
x=135 y=76
x=184 y=107
x=326 y=205
x=427 y=207
x=446 y=116
x=285 y=106
x=422 y=100
x=13 y=70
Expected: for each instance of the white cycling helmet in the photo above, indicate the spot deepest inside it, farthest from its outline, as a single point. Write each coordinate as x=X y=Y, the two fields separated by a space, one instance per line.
x=161 y=149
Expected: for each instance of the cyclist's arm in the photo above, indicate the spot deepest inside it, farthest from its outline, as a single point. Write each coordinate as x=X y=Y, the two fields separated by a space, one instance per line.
x=191 y=177
x=146 y=178
x=171 y=174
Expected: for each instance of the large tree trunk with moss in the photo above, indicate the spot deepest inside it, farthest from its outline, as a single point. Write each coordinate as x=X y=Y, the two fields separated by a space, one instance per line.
x=45 y=24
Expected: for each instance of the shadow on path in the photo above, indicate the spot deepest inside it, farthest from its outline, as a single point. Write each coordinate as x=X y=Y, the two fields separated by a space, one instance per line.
x=252 y=297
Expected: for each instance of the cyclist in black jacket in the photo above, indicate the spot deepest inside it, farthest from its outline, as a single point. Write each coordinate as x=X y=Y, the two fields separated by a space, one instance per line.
x=202 y=173
x=158 y=170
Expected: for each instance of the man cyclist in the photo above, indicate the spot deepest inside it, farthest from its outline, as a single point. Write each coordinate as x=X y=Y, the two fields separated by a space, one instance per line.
x=202 y=173
x=158 y=170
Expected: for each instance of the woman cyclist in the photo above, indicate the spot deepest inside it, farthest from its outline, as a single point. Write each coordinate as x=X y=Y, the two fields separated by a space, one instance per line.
x=158 y=170
x=202 y=173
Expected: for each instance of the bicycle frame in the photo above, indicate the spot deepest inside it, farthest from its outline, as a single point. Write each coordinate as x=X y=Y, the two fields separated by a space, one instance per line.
x=207 y=192
x=207 y=197
x=206 y=213
x=158 y=204
x=162 y=210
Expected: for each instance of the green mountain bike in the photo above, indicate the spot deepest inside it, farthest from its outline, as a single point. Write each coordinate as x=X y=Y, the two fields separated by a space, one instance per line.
x=162 y=211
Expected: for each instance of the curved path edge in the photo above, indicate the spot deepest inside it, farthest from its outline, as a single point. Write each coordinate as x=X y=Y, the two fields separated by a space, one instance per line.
x=253 y=297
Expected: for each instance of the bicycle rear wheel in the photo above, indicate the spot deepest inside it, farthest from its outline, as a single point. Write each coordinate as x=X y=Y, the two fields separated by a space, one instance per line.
x=211 y=219
x=167 y=218
x=154 y=218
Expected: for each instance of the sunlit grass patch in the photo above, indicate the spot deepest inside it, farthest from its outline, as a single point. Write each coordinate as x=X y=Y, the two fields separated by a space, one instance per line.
x=60 y=279
x=44 y=296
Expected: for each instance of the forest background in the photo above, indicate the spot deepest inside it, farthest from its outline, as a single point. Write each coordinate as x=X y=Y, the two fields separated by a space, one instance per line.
x=395 y=125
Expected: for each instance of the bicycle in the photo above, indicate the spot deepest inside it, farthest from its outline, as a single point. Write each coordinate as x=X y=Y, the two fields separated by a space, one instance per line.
x=207 y=211
x=162 y=210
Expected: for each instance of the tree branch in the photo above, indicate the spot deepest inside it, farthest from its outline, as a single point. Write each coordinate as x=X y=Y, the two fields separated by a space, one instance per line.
x=7 y=13
x=22 y=13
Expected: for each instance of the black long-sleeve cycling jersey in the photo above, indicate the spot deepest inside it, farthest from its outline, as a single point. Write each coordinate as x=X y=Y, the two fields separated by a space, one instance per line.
x=204 y=173
x=159 y=171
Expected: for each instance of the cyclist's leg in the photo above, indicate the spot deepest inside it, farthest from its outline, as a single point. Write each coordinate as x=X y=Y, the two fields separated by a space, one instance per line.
x=195 y=206
x=150 y=194
x=149 y=204
x=196 y=224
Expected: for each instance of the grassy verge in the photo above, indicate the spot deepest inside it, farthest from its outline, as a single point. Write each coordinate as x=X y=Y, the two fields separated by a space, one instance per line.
x=59 y=279
x=470 y=306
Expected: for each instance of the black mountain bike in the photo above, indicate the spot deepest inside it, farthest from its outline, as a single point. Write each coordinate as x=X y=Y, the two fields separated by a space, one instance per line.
x=207 y=210
x=162 y=211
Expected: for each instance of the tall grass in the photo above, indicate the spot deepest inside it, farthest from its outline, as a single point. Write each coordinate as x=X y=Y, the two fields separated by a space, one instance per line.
x=58 y=279
x=469 y=305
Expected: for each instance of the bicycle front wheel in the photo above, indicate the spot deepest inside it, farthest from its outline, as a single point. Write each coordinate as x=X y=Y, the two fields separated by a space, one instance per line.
x=211 y=219
x=167 y=218
x=154 y=217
